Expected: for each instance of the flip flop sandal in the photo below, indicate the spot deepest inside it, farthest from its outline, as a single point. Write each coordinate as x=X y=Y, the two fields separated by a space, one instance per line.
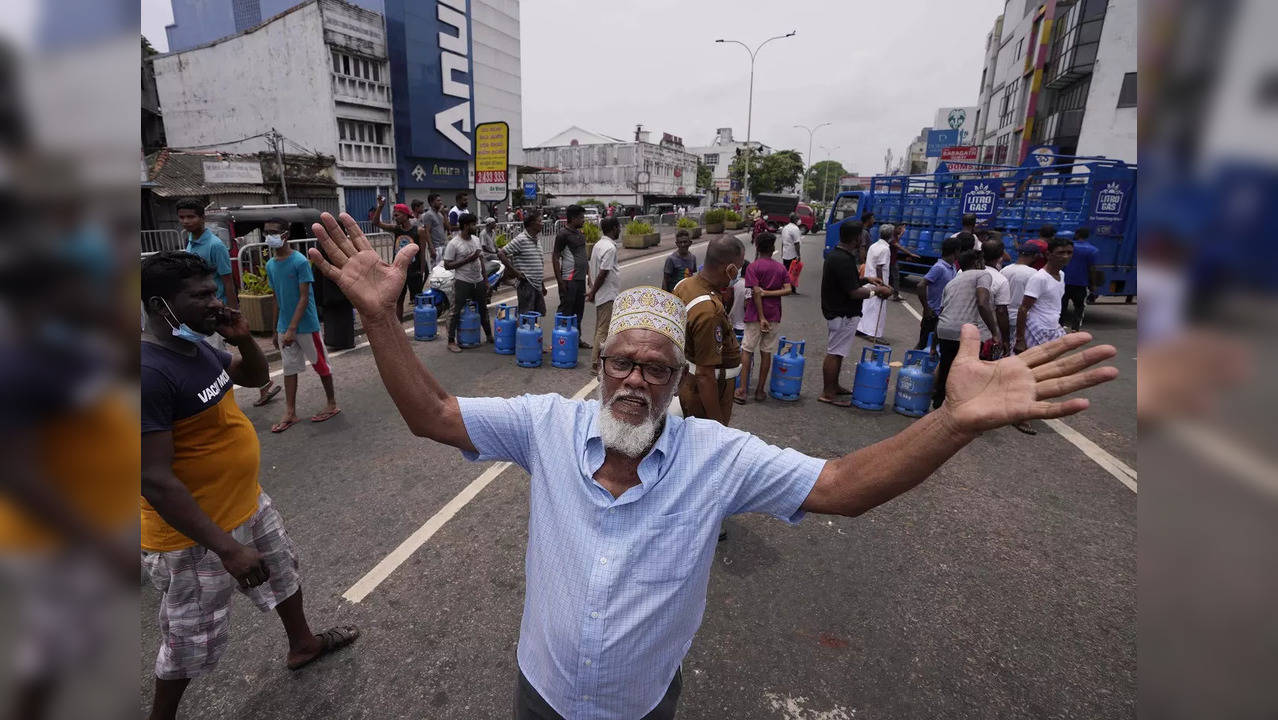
x=1026 y=429
x=844 y=392
x=326 y=416
x=270 y=395
x=334 y=638
x=836 y=403
x=738 y=400
x=280 y=427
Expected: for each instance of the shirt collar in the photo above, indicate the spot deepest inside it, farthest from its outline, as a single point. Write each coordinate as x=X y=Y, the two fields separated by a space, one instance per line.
x=201 y=238
x=651 y=467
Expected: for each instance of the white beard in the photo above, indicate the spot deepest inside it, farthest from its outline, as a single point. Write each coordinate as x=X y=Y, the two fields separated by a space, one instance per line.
x=626 y=438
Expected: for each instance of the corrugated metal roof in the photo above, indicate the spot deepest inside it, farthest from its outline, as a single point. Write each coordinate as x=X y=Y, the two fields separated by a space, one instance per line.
x=178 y=174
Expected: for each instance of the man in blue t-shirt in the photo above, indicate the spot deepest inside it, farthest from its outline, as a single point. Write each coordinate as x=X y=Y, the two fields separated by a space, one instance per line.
x=1080 y=279
x=296 y=323
x=932 y=289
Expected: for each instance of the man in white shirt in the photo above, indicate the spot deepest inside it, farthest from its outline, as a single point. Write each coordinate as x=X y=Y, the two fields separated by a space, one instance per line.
x=1000 y=296
x=1039 y=318
x=465 y=256
x=878 y=260
x=790 y=236
x=605 y=285
x=968 y=222
x=1018 y=274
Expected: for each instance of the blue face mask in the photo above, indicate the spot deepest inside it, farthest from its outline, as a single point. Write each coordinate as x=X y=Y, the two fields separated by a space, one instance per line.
x=182 y=331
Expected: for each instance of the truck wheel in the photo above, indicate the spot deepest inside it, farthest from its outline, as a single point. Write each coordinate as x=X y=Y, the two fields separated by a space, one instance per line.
x=1129 y=299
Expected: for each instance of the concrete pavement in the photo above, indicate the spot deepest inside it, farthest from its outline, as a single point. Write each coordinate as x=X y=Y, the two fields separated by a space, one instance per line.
x=1002 y=587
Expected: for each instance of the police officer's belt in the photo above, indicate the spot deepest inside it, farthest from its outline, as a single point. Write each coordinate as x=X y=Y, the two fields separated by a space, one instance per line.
x=719 y=373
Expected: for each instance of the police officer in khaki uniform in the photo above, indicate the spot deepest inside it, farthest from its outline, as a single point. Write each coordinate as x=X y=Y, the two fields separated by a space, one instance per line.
x=714 y=357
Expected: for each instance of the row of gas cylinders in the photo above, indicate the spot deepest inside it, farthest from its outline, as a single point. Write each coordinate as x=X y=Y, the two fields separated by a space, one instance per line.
x=513 y=334
x=914 y=382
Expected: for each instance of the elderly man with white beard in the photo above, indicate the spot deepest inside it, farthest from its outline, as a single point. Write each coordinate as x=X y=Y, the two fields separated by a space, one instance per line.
x=626 y=500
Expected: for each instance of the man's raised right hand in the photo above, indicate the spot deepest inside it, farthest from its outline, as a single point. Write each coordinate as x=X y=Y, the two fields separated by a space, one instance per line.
x=371 y=285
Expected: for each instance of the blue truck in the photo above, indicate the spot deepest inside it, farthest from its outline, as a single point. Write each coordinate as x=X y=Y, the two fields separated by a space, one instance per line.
x=1014 y=202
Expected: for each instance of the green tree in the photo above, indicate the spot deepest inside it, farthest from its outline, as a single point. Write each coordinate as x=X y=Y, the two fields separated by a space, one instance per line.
x=147 y=49
x=769 y=173
x=822 y=181
x=705 y=177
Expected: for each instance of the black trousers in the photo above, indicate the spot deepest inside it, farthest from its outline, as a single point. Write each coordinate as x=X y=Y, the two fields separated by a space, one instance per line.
x=529 y=704
x=1076 y=294
x=948 y=350
x=927 y=326
x=530 y=298
x=572 y=300
x=463 y=291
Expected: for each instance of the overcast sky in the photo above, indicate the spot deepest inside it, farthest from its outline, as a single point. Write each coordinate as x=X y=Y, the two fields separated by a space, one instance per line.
x=876 y=70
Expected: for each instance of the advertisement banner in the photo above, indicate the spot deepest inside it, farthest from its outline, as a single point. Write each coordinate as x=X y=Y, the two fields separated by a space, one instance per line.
x=492 y=157
x=248 y=172
x=1107 y=209
x=980 y=199
x=422 y=173
x=940 y=139
x=959 y=158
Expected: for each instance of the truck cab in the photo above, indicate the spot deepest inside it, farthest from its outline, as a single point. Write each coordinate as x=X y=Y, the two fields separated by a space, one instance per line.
x=848 y=206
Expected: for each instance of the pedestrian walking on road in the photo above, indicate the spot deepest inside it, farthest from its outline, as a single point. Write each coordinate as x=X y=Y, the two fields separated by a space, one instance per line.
x=523 y=259
x=843 y=293
x=1040 y=314
x=201 y=241
x=966 y=301
x=768 y=282
x=297 y=326
x=932 y=287
x=605 y=277
x=680 y=264
x=207 y=528
x=1080 y=280
x=464 y=255
x=625 y=498
x=571 y=265
x=791 y=236
x=1018 y=274
x=877 y=260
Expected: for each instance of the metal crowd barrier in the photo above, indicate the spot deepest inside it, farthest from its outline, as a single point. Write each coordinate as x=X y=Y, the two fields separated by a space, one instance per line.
x=154 y=241
x=253 y=256
x=667 y=220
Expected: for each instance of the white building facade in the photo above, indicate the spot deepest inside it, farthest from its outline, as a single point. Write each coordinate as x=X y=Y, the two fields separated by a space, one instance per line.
x=579 y=164
x=718 y=156
x=317 y=74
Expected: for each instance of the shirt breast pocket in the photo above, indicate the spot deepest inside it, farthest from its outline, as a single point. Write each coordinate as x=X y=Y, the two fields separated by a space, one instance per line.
x=669 y=547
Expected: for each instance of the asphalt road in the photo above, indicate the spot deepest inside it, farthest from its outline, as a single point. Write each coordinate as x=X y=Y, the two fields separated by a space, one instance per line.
x=1003 y=587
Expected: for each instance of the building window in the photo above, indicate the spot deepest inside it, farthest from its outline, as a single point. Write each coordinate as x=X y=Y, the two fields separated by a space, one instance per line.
x=346 y=65
x=1020 y=47
x=337 y=62
x=1127 y=95
x=711 y=159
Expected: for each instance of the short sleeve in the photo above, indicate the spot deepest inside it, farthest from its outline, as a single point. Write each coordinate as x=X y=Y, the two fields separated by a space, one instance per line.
x=983 y=280
x=1034 y=287
x=501 y=428
x=752 y=277
x=933 y=274
x=768 y=479
x=1002 y=289
x=450 y=251
x=452 y=217
x=609 y=259
x=221 y=258
x=706 y=350
x=156 y=401
x=304 y=272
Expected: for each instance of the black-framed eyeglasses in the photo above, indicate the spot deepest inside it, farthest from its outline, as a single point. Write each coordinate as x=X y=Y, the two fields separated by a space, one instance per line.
x=621 y=367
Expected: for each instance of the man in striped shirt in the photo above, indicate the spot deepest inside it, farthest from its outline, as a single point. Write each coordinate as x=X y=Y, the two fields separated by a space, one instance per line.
x=523 y=258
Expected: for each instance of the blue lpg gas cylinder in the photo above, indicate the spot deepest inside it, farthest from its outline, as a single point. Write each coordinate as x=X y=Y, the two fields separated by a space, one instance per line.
x=425 y=316
x=563 y=342
x=914 y=383
x=468 y=331
x=787 y=370
x=504 y=327
x=528 y=341
x=869 y=390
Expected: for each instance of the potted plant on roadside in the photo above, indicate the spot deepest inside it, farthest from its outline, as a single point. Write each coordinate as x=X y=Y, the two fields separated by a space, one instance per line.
x=638 y=235
x=731 y=220
x=687 y=223
x=714 y=221
x=257 y=302
x=592 y=233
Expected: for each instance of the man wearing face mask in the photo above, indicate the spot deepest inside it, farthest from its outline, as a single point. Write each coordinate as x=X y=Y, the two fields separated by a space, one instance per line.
x=714 y=357
x=207 y=528
x=625 y=500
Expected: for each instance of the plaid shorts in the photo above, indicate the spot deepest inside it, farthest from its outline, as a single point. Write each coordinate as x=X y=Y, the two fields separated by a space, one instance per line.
x=1038 y=334
x=195 y=610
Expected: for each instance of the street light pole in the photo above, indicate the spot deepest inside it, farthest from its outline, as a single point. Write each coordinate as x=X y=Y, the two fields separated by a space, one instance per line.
x=804 y=187
x=825 y=181
x=745 y=181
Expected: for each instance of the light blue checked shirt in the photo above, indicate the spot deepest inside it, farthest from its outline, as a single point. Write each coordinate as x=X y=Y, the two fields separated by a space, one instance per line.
x=616 y=587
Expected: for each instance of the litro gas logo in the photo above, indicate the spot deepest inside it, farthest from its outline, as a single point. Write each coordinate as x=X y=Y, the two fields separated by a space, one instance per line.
x=1109 y=201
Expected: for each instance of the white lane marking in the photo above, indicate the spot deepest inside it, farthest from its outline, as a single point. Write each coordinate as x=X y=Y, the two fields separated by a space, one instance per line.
x=493 y=304
x=391 y=562
x=1235 y=458
x=1109 y=463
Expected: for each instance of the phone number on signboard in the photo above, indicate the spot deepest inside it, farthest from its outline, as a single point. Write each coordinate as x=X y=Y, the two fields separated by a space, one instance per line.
x=490 y=176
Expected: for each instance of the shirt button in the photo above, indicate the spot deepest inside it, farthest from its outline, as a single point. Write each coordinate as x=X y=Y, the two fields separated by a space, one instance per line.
x=585 y=697
x=594 y=614
x=612 y=511
x=603 y=561
x=587 y=661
